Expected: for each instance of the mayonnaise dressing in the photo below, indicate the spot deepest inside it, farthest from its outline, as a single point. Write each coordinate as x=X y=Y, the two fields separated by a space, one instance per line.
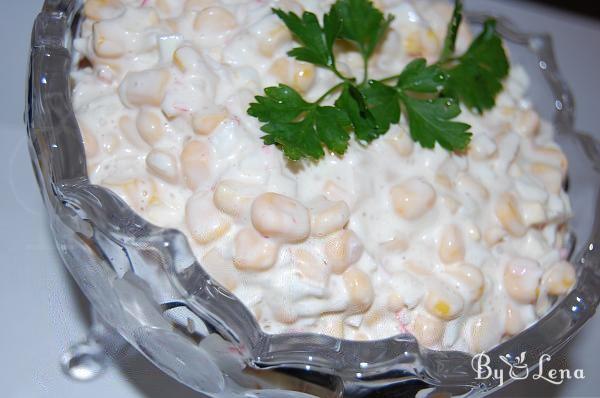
x=462 y=250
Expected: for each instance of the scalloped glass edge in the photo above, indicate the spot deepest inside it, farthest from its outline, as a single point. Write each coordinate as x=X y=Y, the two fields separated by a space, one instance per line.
x=91 y=212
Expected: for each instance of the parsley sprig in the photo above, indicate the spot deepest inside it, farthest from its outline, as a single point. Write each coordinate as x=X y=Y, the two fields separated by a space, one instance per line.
x=428 y=96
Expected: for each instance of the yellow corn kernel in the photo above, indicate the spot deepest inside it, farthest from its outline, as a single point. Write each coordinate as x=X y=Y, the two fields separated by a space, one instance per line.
x=150 y=125
x=129 y=130
x=298 y=75
x=359 y=289
x=402 y=143
x=559 y=278
x=280 y=217
x=427 y=329
x=443 y=303
x=550 y=176
x=214 y=21
x=513 y=324
x=274 y=40
x=466 y=279
x=413 y=198
x=522 y=280
x=254 y=252
x=528 y=123
x=451 y=247
x=395 y=302
x=106 y=42
x=508 y=214
x=554 y=156
x=196 y=163
x=102 y=9
x=234 y=197
x=342 y=250
x=146 y=87
x=206 y=123
x=205 y=222
x=327 y=217
x=483 y=332
x=163 y=165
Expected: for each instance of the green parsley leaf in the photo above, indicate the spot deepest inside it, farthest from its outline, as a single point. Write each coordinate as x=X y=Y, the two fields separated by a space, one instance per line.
x=382 y=102
x=452 y=33
x=430 y=121
x=282 y=104
x=371 y=107
x=331 y=127
x=477 y=77
x=417 y=77
x=362 y=24
x=297 y=140
x=332 y=25
x=317 y=41
x=353 y=103
x=298 y=127
x=428 y=95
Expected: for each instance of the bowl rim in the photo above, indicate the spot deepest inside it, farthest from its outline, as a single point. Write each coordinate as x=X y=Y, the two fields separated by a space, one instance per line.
x=59 y=162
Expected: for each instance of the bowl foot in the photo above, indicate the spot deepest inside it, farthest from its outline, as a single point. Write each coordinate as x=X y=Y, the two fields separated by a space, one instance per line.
x=89 y=359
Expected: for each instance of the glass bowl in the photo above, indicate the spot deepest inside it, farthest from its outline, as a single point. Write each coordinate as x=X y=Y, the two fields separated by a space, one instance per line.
x=144 y=281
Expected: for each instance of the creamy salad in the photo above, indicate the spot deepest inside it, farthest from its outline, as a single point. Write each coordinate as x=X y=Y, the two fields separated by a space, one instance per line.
x=463 y=250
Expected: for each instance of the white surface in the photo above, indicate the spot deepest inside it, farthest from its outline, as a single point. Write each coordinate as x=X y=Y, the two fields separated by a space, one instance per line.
x=42 y=310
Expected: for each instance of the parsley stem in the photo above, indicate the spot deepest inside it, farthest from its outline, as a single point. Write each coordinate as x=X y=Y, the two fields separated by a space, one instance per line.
x=389 y=79
x=339 y=74
x=329 y=92
x=452 y=32
x=366 y=68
